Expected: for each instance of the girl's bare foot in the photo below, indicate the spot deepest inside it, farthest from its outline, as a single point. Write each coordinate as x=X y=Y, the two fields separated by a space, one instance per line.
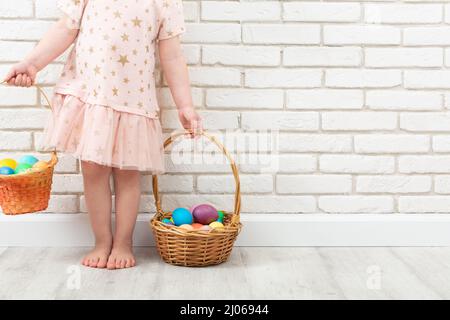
x=98 y=257
x=121 y=257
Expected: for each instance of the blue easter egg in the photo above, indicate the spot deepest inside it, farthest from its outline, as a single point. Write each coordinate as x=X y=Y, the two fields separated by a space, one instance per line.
x=182 y=216
x=6 y=171
x=28 y=159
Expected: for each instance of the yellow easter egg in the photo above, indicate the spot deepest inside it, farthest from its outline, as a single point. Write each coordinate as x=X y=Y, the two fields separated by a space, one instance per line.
x=216 y=225
x=11 y=163
x=40 y=165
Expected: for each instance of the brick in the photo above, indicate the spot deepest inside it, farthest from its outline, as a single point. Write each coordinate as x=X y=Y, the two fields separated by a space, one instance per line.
x=441 y=143
x=424 y=164
x=67 y=183
x=14 y=96
x=324 y=99
x=315 y=143
x=261 y=183
x=301 y=121
x=356 y=204
x=427 y=79
x=366 y=78
x=403 y=57
x=14 y=50
x=12 y=140
x=432 y=121
x=212 y=33
x=356 y=164
x=244 y=98
x=281 y=33
x=424 y=204
x=366 y=34
x=348 y=121
x=322 y=12
x=23 y=118
x=212 y=76
x=18 y=9
x=313 y=184
x=283 y=78
x=391 y=143
x=322 y=56
x=403 y=100
x=281 y=204
x=393 y=184
x=403 y=13
x=242 y=55
x=23 y=29
x=425 y=36
x=240 y=11
x=442 y=184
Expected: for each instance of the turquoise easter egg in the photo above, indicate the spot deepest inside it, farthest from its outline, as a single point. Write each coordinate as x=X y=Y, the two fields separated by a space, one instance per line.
x=23 y=167
x=28 y=159
x=182 y=216
x=167 y=221
x=6 y=171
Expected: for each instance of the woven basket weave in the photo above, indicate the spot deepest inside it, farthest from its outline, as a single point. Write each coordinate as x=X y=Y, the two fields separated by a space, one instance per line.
x=196 y=248
x=28 y=192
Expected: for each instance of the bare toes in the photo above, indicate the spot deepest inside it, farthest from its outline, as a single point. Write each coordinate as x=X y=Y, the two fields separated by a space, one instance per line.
x=102 y=263
x=111 y=263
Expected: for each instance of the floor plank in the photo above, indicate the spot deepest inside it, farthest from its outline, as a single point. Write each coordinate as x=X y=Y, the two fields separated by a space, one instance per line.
x=251 y=273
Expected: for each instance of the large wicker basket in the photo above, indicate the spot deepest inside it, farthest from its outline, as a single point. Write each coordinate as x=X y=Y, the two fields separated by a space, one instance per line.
x=196 y=248
x=28 y=192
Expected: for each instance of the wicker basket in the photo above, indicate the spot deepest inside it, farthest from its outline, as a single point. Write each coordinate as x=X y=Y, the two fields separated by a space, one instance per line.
x=196 y=248
x=28 y=192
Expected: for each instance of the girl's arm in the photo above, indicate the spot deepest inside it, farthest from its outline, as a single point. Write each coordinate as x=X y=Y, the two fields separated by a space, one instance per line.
x=177 y=77
x=53 y=44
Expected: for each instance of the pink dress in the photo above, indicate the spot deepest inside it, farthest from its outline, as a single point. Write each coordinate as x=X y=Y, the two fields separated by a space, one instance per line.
x=105 y=108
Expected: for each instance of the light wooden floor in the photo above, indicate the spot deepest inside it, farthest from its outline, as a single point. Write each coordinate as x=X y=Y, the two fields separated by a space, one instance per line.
x=251 y=273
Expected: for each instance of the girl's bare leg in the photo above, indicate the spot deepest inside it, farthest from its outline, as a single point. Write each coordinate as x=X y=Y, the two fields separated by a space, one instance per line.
x=128 y=193
x=98 y=202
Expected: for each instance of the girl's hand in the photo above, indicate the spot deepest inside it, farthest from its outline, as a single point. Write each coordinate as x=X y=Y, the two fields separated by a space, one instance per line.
x=190 y=120
x=22 y=74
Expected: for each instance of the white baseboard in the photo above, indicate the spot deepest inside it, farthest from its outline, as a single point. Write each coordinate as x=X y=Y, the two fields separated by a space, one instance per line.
x=62 y=230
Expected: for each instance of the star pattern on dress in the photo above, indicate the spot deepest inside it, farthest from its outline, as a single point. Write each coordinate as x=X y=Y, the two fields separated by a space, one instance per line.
x=123 y=60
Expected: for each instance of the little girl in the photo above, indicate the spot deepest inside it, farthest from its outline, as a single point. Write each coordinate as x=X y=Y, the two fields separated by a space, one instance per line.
x=105 y=111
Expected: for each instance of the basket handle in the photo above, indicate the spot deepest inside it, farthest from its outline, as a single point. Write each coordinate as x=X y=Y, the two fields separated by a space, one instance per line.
x=237 y=195
x=54 y=158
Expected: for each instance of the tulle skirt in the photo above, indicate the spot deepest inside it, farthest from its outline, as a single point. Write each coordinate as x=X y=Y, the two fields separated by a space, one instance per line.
x=104 y=136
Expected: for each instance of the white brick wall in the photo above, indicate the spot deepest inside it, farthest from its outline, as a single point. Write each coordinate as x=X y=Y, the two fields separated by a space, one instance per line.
x=358 y=90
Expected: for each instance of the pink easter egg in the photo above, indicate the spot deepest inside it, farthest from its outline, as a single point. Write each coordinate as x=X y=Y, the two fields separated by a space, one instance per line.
x=205 y=214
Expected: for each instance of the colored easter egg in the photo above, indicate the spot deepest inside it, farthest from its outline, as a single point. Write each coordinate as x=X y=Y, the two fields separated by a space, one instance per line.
x=8 y=163
x=167 y=221
x=28 y=159
x=197 y=225
x=181 y=216
x=221 y=216
x=40 y=165
x=216 y=225
x=191 y=209
x=205 y=228
x=22 y=168
x=205 y=214
x=6 y=171
x=186 y=227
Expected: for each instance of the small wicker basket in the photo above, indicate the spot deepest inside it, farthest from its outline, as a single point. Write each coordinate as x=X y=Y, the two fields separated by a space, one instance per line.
x=28 y=192
x=196 y=248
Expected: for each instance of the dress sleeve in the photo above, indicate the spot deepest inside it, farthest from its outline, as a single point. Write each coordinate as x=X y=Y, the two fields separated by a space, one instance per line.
x=171 y=19
x=74 y=9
